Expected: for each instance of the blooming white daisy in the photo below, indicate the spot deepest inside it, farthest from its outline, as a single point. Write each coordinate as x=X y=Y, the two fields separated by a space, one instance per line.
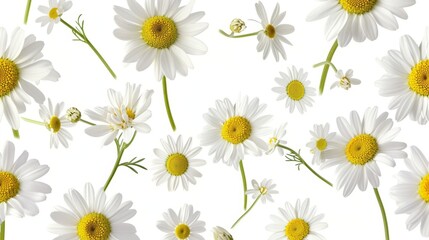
x=176 y=163
x=276 y=139
x=297 y=223
x=91 y=216
x=345 y=80
x=271 y=38
x=358 y=19
x=56 y=123
x=19 y=188
x=162 y=33
x=361 y=146
x=235 y=130
x=321 y=141
x=294 y=86
x=265 y=189
x=182 y=226
x=412 y=191
x=20 y=67
x=53 y=13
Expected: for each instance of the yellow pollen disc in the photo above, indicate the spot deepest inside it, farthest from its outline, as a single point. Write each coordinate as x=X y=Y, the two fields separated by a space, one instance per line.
x=270 y=31
x=295 y=90
x=9 y=186
x=424 y=188
x=130 y=113
x=321 y=144
x=182 y=231
x=177 y=164
x=263 y=190
x=236 y=130
x=357 y=6
x=54 y=124
x=297 y=229
x=273 y=140
x=159 y=32
x=94 y=226
x=9 y=76
x=418 y=78
x=53 y=13
x=361 y=149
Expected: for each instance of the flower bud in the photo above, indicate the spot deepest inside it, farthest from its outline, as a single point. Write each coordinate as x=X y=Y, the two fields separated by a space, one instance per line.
x=237 y=25
x=221 y=234
x=73 y=114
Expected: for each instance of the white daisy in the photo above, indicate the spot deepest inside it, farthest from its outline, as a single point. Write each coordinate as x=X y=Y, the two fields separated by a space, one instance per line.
x=20 y=189
x=20 y=67
x=177 y=164
x=182 y=226
x=162 y=33
x=56 y=123
x=276 y=139
x=412 y=191
x=297 y=223
x=294 y=86
x=271 y=37
x=265 y=189
x=235 y=130
x=362 y=145
x=358 y=19
x=53 y=13
x=345 y=80
x=91 y=216
x=321 y=141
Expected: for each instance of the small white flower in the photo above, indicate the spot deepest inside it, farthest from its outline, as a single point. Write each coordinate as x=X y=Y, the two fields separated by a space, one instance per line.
x=265 y=189
x=221 y=233
x=321 y=141
x=276 y=139
x=345 y=80
x=53 y=13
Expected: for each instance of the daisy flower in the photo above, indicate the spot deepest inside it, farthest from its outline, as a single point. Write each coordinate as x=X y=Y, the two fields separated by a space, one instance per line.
x=91 y=216
x=235 y=129
x=412 y=191
x=272 y=36
x=20 y=67
x=176 y=163
x=278 y=134
x=345 y=80
x=321 y=141
x=53 y=13
x=182 y=226
x=221 y=233
x=265 y=189
x=297 y=223
x=294 y=86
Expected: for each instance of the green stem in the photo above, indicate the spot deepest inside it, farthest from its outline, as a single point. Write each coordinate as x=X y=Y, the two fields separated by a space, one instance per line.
x=238 y=36
x=33 y=121
x=27 y=11
x=243 y=178
x=87 y=122
x=167 y=104
x=324 y=63
x=383 y=214
x=248 y=210
x=326 y=67
x=305 y=164
x=15 y=133
x=3 y=230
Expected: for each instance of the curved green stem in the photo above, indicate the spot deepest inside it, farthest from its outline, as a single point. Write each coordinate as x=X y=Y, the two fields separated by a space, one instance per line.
x=324 y=63
x=27 y=11
x=238 y=36
x=33 y=121
x=383 y=214
x=326 y=67
x=87 y=122
x=3 y=230
x=15 y=133
x=243 y=178
x=167 y=104
x=248 y=210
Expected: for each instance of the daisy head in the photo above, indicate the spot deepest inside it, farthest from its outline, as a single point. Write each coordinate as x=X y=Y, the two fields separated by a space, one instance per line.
x=272 y=35
x=20 y=189
x=359 y=19
x=182 y=226
x=235 y=129
x=321 y=141
x=264 y=190
x=360 y=146
x=20 y=68
x=297 y=223
x=92 y=216
x=295 y=87
x=163 y=33
x=221 y=233
x=176 y=163
x=52 y=13
x=276 y=139
x=345 y=80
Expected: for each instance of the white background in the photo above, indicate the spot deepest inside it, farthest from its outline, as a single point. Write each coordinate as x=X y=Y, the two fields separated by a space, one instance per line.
x=231 y=68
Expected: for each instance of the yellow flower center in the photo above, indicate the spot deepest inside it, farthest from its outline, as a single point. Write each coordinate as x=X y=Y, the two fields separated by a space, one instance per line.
x=270 y=31
x=54 y=124
x=130 y=113
x=53 y=13
x=361 y=149
x=182 y=231
x=94 y=226
x=9 y=76
x=418 y=78
x=263 y=190
x=9 y=186
x=295 y=90
x=357 y=6
x=273 y=140
x=159 y=32
x=177 y=164
x=424 y=188
x=297 y=229
x=321 y=144
x=236 y=130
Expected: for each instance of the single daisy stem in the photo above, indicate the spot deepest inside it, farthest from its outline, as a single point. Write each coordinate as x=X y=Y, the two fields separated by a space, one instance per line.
x=326 y=67
x=383 y=214
x=248 y=210
x=3 y=230
x=167 y=104
x=87 y=122
x=238 y=36
x=27 y=11
x=243 y=178
x=33 y=121
x=324 y=63
x=301 y=160
x=15 y=133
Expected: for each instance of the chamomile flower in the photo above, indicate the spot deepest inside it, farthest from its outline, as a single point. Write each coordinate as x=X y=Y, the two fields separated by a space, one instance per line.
x=20 y=67
x=294 y=86
x=163 y=33
x=182 y=226
x=176 y=163
x=20 y=189
x=297 y=223
x=53 y=13
x=56 y=123
x=321 y=141
x=360 y=147
x=91 y=216
x=276 y=139
x=265 y=189
x=272 y=36
x=235 y=129
x=359 y=19
x=345 y=80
